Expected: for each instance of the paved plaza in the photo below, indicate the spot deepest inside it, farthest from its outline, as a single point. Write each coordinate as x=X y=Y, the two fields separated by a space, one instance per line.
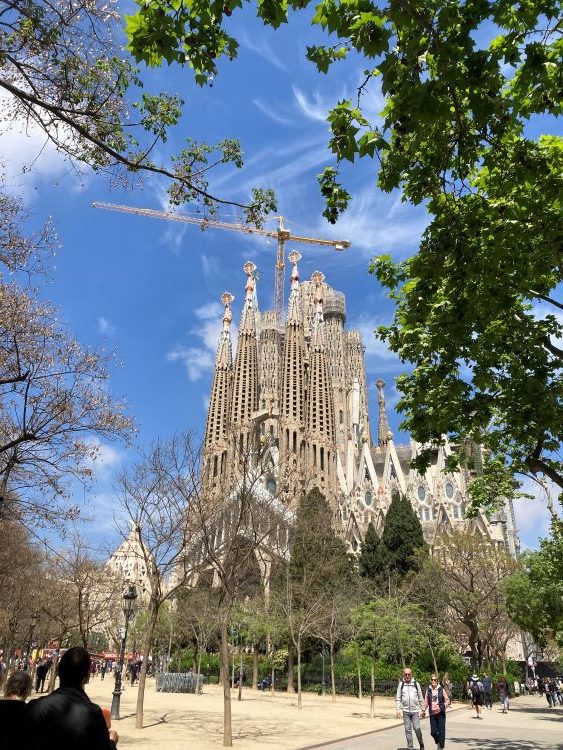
x=179 y=721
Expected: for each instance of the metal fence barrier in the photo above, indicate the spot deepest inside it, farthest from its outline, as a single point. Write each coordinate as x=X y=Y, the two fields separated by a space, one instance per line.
x=176 y=682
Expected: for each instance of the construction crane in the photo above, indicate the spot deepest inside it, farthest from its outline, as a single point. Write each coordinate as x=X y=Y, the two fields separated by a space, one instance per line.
x=282 y=235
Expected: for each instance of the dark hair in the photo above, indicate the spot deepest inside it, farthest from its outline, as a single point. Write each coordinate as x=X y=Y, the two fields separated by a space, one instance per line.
x=19 y=683
x=74 y=666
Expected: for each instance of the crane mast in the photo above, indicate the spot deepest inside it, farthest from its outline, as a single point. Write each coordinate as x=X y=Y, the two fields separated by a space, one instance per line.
x=281 y=234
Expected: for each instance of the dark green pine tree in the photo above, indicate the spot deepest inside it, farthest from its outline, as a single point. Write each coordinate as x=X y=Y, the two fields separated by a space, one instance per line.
x=318 y=556
x=402 y=535
x=372 y=562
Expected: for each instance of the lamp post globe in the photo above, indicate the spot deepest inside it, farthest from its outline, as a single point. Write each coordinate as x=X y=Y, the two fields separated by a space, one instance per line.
x=129 y=597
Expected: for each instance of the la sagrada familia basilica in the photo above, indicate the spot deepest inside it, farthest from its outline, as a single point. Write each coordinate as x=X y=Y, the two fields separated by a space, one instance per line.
x=299 y=387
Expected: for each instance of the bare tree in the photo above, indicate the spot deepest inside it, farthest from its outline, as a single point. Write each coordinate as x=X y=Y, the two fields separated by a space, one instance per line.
x=92 y=592
x=318 y=568
x=55 y=406
x=238 y=538
x=158 y=496
x=195 y=618
x=465 y=575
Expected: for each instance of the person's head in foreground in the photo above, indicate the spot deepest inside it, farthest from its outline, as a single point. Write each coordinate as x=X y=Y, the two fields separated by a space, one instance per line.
x=18 y=686
x=74 y=667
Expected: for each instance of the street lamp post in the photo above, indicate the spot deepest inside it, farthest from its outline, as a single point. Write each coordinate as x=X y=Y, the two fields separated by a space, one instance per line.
x=128 y=609
x=34 y=621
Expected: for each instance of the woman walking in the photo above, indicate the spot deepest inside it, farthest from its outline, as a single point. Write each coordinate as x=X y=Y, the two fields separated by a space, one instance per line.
x=503 y=694
x=436 y=701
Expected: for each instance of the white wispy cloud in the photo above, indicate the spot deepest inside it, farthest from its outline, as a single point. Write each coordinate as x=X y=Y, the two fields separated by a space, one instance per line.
x=377 y=222
x=105 y=327
x=271 y=111
x=315 y=107
x=262 y=48
x=198 y=360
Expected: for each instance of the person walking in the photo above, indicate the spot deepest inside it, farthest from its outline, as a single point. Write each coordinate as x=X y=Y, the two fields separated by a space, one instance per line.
x=487 y=691
x=504 y=694
x=409 y=701
x=40 y=675
x=103 y=668
x=477 y=692
x=67 y=719
x=437 y=702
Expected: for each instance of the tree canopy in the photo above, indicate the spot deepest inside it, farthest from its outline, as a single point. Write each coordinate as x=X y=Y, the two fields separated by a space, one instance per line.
x=63 y=70
x=535 y=594
x=465 y=85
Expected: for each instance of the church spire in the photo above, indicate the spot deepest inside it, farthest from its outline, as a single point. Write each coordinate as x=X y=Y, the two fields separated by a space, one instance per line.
x=383 y=431
x=294 y=314
x=317 y=278
x=225 y=350
x=218 y=415
x=248 y=317
x=245 y=380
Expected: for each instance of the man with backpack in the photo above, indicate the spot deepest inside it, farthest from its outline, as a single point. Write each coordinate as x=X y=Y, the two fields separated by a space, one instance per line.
x=409 y=700
x=477 y=694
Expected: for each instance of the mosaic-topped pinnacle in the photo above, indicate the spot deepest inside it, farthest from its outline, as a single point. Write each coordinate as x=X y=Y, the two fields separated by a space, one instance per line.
x=317 y=277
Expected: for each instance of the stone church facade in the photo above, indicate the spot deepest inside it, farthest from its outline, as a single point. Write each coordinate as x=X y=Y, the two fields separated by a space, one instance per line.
x=299 y=387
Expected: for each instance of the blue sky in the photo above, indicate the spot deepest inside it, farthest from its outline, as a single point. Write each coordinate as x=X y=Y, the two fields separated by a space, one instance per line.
x=151 y=290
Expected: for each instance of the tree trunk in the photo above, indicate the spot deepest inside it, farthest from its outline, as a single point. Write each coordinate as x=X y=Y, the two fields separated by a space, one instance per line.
x=255 y=666
x=53 y=675
x=239 y=697
x=433 y=656
x=153 y=616
x=372 y=691
x=299 y=701
x=273 y=672
x=332 y=675
x=359 y=670
x=199 y=658
x=224 y=660
x=290 y=683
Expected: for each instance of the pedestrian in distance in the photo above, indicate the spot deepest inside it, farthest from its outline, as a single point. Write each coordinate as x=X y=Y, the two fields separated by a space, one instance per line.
x=40 y=675
x=67 y=719
x=13 y=709
x=504 y=694
x=477 y=693
x=409 y=700
x=487 y=691
x=437 y=701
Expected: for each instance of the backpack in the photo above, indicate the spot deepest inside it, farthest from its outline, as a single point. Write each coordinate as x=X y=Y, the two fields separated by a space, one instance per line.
x=476 y=687
x=414 y=682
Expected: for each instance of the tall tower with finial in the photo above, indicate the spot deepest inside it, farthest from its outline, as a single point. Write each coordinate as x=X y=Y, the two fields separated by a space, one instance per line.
x=245 y=372
x=293 y=389
x=320 y=431
x=383 y=429
x=219 y=413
